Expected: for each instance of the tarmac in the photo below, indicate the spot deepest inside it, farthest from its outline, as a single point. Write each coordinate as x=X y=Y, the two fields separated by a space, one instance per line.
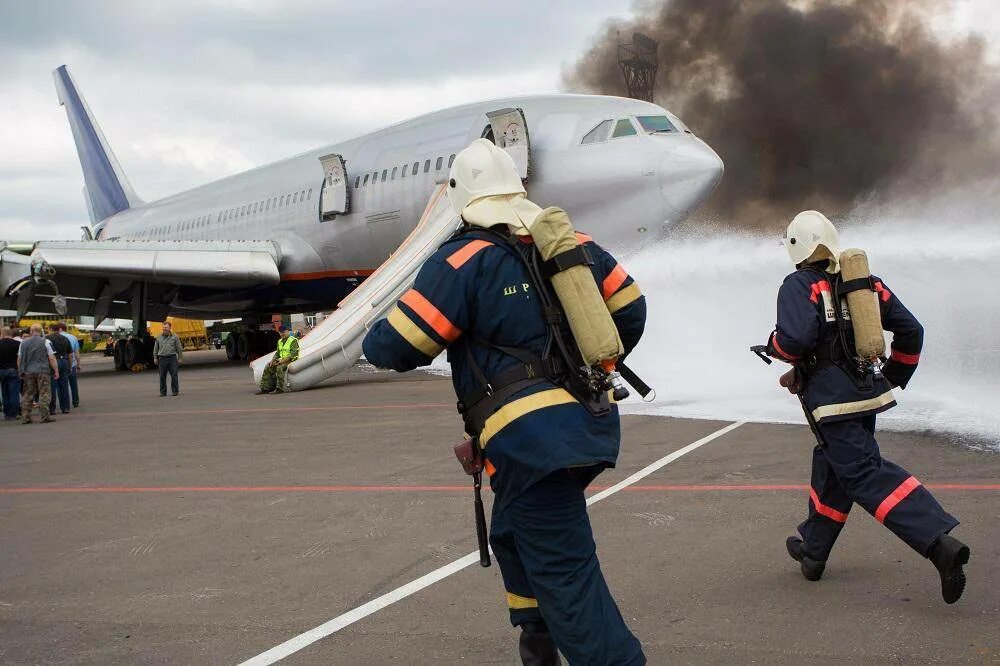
x=211 y=527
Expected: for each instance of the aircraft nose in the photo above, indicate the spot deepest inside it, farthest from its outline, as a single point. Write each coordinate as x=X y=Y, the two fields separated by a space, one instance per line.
x=689 y=171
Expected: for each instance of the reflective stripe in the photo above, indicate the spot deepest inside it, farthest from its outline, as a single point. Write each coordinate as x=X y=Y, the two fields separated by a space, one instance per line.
x=489 y=467
x=883 y=293
x=853 y=407
x=518 y=408
x=285 y=346
x=824 y=510
x=430 y=314
x=816 y=288
x=413 y=333
x=583 y=238
x=895 y=497
x=623 y=298
x=905 y=359
x=517 y=602
x=777 y=348
x=466 y=252
x=614 y=280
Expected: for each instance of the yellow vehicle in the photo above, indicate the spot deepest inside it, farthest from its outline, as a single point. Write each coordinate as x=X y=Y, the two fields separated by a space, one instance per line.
x=192 y=332
x=48 y=320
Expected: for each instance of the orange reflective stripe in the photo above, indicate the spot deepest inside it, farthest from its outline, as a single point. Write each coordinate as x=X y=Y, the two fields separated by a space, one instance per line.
x=824 y=510
x=614 y=280
x=895 y=497
x=777 y=348
x=466 y=252
x=490 y=469
x=430 y=314
x=583 y=238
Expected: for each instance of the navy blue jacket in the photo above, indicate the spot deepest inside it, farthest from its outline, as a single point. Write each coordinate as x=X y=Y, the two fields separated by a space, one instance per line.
x=806 y=321
x=476 y=286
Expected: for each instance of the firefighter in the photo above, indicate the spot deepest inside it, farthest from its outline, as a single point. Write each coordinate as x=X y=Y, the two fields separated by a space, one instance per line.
x=814 y=333
x=542 y=443
x=273 y=378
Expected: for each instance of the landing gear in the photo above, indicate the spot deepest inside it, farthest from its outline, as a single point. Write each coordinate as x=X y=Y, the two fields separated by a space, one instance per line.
x=244 y=345
x=232 y=346
x=119 y=353
x=250 y=345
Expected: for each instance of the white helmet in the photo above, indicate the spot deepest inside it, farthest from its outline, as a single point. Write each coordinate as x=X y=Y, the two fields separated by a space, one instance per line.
x=809 y=234
x=485 y=189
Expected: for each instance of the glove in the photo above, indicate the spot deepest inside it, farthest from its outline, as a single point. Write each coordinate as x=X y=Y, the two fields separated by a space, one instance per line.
x=791 y=381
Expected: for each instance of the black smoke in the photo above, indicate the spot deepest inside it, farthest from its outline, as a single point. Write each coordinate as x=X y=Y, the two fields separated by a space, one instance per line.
x=814 y=104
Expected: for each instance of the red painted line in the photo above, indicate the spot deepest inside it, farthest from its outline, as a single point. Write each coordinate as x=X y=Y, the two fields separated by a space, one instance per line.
x=422 y=489
x=272 y=410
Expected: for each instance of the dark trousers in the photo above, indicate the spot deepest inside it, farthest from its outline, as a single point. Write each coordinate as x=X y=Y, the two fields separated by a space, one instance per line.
x=60 y=387
x=851 y=470
x=74 y=389
x=545 y=547
x=10 y=393
x=168 y=364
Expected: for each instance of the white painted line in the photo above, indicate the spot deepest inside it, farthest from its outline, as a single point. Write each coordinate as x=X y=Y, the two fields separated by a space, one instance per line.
x=303 y=640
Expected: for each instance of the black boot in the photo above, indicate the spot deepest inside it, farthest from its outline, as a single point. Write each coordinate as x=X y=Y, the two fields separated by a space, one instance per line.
x=948 y=554
x=811 y=569
x=537 y=647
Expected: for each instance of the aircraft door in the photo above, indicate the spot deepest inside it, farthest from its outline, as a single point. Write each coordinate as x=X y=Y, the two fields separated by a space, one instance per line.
x=335 y=198
x=510 y=132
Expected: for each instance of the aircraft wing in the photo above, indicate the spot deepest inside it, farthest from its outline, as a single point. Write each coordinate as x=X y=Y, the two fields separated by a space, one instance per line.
x=95 y=277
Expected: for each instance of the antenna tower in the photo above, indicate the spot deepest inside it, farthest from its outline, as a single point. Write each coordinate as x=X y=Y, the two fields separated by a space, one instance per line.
x=639 y=63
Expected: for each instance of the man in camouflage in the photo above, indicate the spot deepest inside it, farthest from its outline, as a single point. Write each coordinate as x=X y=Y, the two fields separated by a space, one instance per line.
x=36 y=364
x=273 y=379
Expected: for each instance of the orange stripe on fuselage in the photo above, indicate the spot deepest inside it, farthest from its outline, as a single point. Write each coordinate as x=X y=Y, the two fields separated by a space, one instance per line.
x=430 y=314
x=466 y=252
x=615 y=279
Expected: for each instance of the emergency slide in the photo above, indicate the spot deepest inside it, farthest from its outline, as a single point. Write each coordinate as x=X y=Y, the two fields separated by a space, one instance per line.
x=335 y=344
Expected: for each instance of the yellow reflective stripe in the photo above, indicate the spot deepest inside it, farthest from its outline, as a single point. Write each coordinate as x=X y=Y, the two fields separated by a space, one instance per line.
x=853 y=407
x=623 y=298
x=517 y=602
x=413 y=333
x=518 y=408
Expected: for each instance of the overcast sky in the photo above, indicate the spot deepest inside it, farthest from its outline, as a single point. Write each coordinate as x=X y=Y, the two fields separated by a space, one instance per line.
x=189 y=91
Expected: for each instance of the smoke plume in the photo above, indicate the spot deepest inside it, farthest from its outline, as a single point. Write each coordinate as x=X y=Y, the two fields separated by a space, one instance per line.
x=814 y=104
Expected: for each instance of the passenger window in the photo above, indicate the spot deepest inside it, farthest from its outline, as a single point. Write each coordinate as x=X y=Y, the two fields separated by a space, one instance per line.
x=309 y=195
x=243 y=211
x=357 y=182
x=623 y=128
x=394 y=170
x=302 y=195
x=295 y=198
x=374 y=177
x=427 y=166
x=281 y=200
x=366 y=179
x=597 y=135
x=437 y=165
x=402 y=174
x=416 y=167
x=384 y=172
x=451 y=160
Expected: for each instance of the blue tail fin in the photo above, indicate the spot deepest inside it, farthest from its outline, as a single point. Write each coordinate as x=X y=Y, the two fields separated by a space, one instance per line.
x=108 y=191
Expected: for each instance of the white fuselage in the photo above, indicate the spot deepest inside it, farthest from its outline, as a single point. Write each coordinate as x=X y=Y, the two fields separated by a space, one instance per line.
x=621 y=190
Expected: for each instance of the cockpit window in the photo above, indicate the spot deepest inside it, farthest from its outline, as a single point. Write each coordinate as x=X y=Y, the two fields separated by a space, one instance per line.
x=623 y=127
x=654 y=124
x=598 y=134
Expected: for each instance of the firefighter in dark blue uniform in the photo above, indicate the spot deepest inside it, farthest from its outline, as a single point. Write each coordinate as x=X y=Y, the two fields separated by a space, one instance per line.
x=813 y=334
x=542 y=447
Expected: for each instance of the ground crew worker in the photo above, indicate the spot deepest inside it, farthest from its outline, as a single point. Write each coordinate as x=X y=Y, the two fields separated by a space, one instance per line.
x=10 y=382
x=168 y=352
x=542 y=445
x=811 y=334
x=60 y=380
x=273 y=378
x=74 y=364
x=36 y=363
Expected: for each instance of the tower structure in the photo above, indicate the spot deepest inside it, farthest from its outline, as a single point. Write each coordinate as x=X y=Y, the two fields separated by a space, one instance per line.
x=638 y=61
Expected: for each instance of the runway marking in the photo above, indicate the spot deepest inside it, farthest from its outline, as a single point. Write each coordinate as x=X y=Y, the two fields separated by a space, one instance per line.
x=769 y=487
x=330 y=627
x=272 y=410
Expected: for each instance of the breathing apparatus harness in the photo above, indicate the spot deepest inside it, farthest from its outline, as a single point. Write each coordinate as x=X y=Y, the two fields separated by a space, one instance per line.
x=559 y=363
x=840 y=350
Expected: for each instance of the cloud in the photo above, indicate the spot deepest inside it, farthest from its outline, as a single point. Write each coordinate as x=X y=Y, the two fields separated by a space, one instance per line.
x=187 y=92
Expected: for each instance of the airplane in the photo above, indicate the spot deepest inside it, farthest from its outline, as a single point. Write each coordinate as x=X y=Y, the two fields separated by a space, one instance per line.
x=300 y=234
